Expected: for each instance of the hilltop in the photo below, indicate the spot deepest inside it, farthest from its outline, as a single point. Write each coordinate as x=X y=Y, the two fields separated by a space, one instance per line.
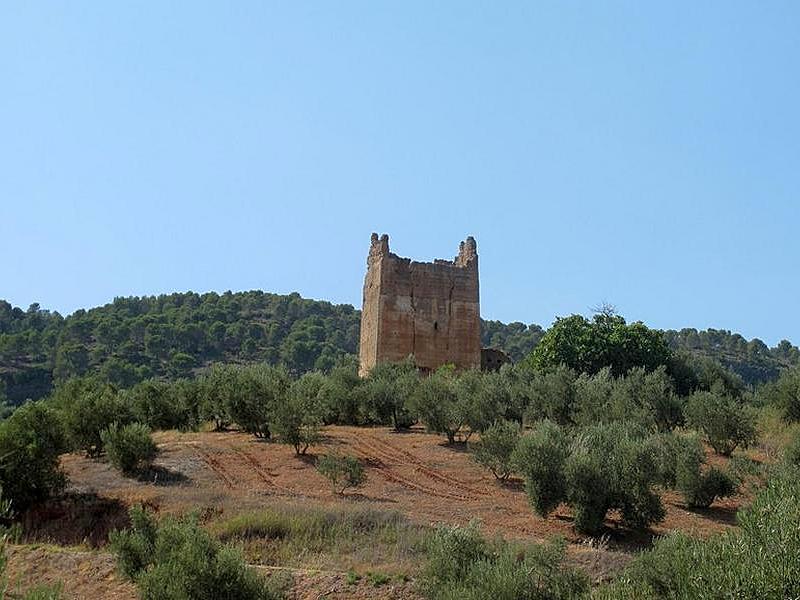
x=176 y=335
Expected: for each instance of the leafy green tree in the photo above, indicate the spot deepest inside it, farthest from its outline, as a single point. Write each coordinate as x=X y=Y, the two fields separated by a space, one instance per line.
x=758 y=559
x=540 y=457
x=256 y=395
x=586 y=346
x=610 y=467
x=72 y=360
x=700 y=487
x=86 y=414
x=218 y=389
x=551 y=395
x=785 y=394
x=485 y=398
x=436 y=404
x=129 y=448
x=342 y=471
x=725 y=423
x=387 y=392
x=496 y=448
x=297 y=419
x=152 y=402
x=31 y=441
x=342 y=398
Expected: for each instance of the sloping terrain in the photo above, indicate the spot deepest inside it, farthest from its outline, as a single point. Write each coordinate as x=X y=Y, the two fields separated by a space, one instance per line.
x=225 y=474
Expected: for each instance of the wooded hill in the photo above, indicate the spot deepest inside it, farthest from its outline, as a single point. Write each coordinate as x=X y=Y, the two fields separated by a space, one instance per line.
x=175 y=335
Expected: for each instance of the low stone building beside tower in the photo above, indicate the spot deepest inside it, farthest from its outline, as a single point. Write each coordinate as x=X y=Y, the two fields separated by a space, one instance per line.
x=430 y=311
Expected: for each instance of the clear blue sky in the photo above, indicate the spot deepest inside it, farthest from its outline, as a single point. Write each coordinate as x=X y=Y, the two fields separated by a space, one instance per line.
x=643 y=155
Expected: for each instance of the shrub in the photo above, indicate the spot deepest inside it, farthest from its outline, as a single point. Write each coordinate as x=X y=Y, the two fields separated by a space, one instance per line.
x=152 y=403
x=31 y=440
x=257 y=393
x=129 y=448
x=647 y=398
x=436 y=403
x=552 y=395
x=463 y=565
x=700 y=488
x=297 y=418
x=88 y=413
x=785 y=394
x=791 y=455
x=342 y=471
x=540 y=458
x=611 y=467
x=757 y=560
x=178 y=559
x=496 y=448
x=387 y=392
x=725 y=423
x=341 y=397
x=482 y=399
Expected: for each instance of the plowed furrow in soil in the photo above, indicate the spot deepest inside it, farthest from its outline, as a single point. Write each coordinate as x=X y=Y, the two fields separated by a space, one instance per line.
x=387 y=473
x=264 y=475
x=216 y=466
x=400 y=456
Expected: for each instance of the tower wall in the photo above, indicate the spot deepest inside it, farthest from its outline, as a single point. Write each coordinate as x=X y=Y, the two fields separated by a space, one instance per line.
x=428 y=310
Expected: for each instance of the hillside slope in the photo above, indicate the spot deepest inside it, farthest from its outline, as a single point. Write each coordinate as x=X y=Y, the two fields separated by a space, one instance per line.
x=175 y=335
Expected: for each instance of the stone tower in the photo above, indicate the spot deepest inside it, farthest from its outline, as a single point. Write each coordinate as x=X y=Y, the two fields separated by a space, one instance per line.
x=428 y=310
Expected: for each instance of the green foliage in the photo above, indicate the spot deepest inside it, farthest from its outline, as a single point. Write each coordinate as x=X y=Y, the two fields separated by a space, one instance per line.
x=757 y=560
x=153 y=403
x=342 y=471
x=700 y=488
x=387 y=392
x=298 y=416
x=177 y=559
x=31 y=440
x=604 y=467
x=785 y=394
x=611 y=467
x=341 y=396
x=540 y=458
x=482 y=398
x=752 y=361
x=725 y=423
x=129 y=448
x=437 y=405
x=516 y=339
x=253 y=396
x=497 y=447
x=87 y=408
x=791 y=454
x=218 y=387
x=587 y=346
x=463 y=565
x=133 y=339
x=551 y=395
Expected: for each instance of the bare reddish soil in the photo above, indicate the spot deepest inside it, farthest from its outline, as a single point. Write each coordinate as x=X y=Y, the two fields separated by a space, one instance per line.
x=414 y=473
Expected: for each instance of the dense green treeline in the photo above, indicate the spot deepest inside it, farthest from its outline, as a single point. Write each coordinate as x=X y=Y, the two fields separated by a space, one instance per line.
x=751 y=360
x=172 y=336
x=178 y=335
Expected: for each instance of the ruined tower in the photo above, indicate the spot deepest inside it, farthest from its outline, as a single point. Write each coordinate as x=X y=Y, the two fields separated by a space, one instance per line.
x=428 y=310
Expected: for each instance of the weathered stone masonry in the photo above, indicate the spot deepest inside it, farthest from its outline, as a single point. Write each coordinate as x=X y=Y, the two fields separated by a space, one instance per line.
x=428 y=310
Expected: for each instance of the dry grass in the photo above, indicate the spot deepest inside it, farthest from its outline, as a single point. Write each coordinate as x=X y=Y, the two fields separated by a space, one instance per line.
x=345 y=538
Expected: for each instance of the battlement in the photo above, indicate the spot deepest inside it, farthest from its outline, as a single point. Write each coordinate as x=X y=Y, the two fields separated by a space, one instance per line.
x=428 y=310
x=467 y=252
